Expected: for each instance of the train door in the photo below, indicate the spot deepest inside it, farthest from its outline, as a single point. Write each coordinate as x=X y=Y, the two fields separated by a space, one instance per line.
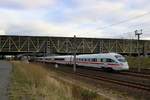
x=107 y=64
x=110 y=63
x=103 y=63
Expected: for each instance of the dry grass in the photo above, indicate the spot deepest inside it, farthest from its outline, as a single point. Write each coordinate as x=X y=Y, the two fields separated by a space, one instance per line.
x=33 y=82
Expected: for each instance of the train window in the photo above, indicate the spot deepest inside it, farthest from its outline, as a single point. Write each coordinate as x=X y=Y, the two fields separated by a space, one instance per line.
x=48 y=58
x=102 y=60
x=59 y=58
x=89 y=60
x=118 y=56
x=94 y=59
x=122 y=60
x=109 y=60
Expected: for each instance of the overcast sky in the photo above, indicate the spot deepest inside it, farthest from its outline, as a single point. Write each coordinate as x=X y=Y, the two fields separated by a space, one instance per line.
x=83 y=18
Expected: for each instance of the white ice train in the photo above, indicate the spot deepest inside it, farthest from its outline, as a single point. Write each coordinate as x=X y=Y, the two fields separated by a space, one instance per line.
x=112 y=61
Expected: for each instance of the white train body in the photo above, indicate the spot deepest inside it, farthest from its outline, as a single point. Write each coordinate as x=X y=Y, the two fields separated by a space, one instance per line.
x=104 y=60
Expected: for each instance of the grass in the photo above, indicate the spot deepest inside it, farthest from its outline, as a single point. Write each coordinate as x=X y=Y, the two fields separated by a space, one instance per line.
x=33 y=82
x=134 y=62
x=83 y=93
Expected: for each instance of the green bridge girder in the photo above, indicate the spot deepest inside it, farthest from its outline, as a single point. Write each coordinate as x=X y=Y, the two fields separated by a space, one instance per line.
x=40 y=44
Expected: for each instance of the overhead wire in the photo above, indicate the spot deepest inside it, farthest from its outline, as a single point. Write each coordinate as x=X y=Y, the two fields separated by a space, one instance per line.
x=123 y=21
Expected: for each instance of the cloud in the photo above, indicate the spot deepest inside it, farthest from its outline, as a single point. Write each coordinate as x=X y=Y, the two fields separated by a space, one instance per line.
x=27 y=4
x=84 y=18
x=2 y=32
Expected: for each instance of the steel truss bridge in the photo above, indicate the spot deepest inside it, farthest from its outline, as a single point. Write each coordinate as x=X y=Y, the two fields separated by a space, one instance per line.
x=66 y=45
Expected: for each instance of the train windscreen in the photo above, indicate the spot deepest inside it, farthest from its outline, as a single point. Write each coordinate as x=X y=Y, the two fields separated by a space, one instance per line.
x=120 y=58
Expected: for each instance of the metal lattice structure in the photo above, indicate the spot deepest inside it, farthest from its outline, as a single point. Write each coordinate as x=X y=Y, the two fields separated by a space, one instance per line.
x=37 y=44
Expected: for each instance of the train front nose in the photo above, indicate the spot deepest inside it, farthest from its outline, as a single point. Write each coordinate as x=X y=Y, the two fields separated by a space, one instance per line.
x=125 y=66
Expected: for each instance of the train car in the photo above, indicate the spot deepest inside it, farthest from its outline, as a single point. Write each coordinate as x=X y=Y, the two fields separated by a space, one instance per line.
x=111 y=61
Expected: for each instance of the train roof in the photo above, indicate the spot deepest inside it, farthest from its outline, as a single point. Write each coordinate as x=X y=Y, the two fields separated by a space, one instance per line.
x=100 y=54
x=86 y=55
x=97 y=55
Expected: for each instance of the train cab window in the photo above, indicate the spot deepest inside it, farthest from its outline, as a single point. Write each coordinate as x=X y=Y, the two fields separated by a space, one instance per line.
x=120 y=58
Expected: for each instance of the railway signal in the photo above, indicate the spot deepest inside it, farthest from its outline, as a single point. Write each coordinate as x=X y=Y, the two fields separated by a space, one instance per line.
x=138 y=49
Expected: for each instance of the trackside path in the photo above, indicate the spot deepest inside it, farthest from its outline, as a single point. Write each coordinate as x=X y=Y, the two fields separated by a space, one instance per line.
x=5 y=69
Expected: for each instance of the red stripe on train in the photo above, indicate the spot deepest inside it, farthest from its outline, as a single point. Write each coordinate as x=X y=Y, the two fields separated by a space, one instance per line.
x=88 y=63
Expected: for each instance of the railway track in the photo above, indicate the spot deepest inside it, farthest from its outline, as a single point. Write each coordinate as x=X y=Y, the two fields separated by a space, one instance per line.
x=130 y=83
x=103 y=78
x=136 y=74
x=119 y=82
x=143 y=71
x=128 y=73
x=88 y=73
